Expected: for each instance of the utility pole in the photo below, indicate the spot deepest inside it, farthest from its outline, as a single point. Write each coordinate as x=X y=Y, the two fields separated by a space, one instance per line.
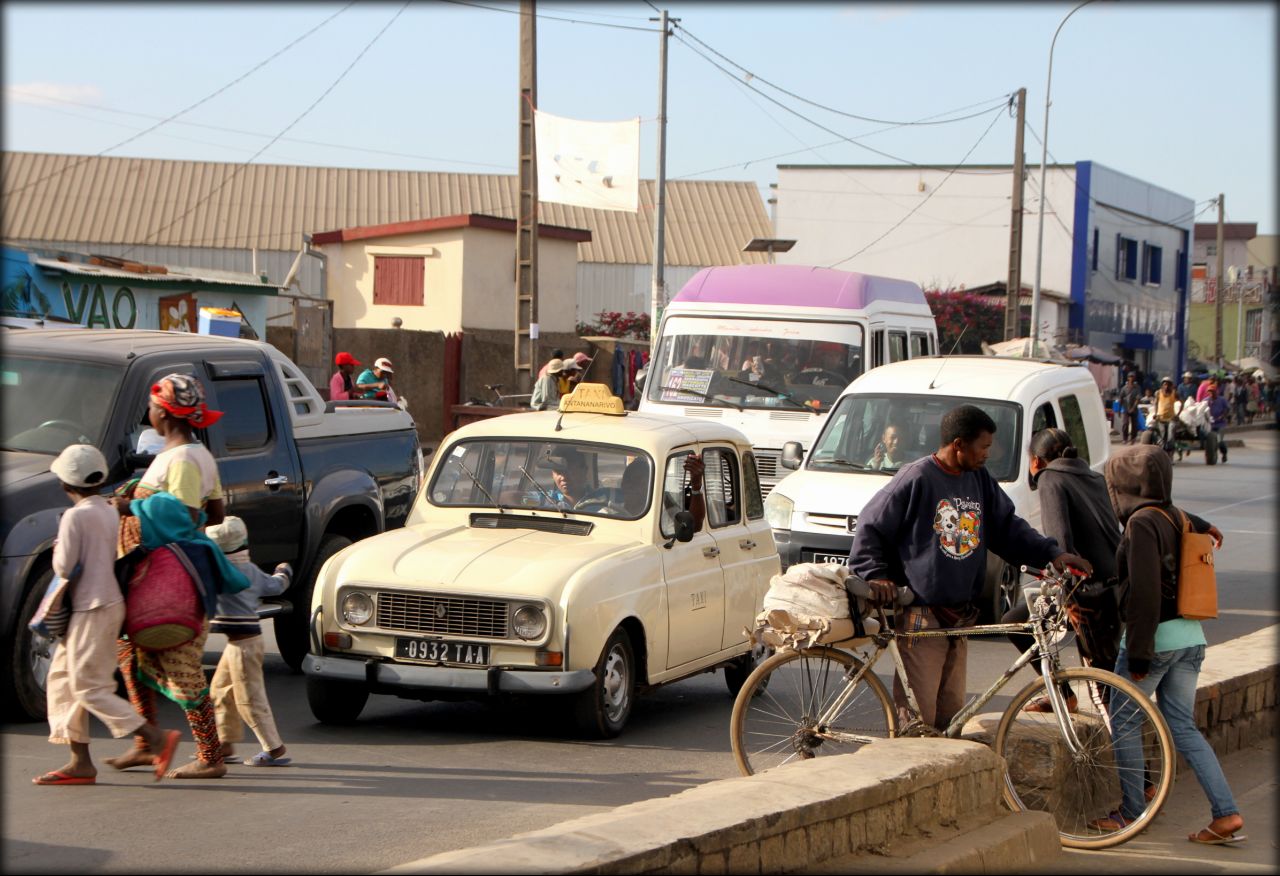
x=526 y=315
x=1013 y=291
x=1220 y=284
x=658 y=293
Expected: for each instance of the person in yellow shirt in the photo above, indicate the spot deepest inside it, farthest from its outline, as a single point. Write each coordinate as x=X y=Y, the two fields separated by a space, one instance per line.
x=1167 y=406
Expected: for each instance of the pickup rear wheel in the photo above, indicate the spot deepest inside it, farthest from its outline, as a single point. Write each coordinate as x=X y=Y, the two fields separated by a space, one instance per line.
x=27 y=656
x=293 y=630
x=602 y=710
x=333 y=702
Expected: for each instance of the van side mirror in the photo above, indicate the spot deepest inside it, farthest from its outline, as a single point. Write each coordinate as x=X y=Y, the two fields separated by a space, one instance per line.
x=792 y=455
x=684 y=526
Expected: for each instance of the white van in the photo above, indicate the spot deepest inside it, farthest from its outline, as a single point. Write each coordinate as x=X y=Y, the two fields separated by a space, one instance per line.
x=767 y=349
x=814 y=510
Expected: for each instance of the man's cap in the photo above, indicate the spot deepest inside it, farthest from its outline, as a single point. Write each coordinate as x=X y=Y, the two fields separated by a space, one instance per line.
x=384 y=364
x=1166 y=380
x=571 y=365
x=555 y=366
x=582 y=359
x=345 y=358
x=230 y=534
x=563 y=457
x=1187 y=374
x=80 y=465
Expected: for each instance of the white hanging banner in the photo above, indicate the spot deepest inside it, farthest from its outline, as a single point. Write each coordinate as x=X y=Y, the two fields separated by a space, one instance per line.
x=588 y=164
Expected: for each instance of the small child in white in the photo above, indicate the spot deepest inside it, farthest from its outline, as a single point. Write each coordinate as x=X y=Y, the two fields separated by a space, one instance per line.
x=238 y=692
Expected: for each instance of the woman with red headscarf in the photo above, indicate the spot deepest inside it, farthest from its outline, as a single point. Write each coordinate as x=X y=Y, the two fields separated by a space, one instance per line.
x=186 y=469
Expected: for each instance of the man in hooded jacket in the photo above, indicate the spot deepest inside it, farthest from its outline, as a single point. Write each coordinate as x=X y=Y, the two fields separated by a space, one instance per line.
x=1160 y=651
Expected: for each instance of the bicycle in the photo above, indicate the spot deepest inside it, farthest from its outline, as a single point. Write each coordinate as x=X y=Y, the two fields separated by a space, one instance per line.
x=801 y=703
x=519 y=399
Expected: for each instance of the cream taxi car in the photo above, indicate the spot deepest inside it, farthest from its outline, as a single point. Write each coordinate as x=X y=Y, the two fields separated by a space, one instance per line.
x=551 y=553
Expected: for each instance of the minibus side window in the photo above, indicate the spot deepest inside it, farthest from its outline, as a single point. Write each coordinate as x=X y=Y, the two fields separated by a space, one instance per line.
x=877 y=348
x=897 y=346
x=919 y=345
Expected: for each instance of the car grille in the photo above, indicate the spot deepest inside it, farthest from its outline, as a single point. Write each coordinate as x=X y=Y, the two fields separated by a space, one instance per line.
x=443 y=615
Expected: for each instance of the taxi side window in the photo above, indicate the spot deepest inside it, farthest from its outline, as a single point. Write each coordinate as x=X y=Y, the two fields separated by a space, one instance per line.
x=751 y=487
x=1073 y=422
x=721 y=489
x=674 y=480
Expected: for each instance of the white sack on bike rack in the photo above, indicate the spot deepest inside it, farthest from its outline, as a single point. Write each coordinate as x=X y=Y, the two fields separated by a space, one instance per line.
x=816 y=590
x=780 y=629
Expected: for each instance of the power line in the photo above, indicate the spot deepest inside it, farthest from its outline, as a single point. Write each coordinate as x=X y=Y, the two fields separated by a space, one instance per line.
x=923 y=200
x=286 y=129
x=193 y=106
x=551 y=17
x=752 y=75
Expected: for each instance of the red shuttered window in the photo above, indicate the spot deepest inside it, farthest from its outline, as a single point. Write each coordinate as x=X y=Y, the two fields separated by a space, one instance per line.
x=398 y=280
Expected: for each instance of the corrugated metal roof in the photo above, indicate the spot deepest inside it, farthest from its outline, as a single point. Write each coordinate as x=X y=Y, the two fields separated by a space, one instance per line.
x=56 y=197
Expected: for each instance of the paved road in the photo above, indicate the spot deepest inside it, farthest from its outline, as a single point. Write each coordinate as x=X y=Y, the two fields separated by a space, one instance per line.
x=413 y=779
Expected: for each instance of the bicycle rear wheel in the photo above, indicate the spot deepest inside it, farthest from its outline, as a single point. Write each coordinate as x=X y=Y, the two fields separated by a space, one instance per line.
x=775 y=715
x=1124 y=745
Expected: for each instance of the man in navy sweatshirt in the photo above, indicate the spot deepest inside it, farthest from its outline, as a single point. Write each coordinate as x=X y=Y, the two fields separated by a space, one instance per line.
x=929 y=529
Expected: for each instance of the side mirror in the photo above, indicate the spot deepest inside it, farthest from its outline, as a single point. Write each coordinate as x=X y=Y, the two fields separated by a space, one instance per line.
x=684 y=526
x=792 y=455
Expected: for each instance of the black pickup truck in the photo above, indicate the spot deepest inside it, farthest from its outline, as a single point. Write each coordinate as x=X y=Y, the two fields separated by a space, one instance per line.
x=308 y=477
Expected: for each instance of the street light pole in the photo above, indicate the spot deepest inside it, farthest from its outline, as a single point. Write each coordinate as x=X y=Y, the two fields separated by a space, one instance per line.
x=1044 y=159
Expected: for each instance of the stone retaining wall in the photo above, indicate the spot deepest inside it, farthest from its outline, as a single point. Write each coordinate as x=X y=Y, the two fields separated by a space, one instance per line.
x=783 y=820
x=1236 y=698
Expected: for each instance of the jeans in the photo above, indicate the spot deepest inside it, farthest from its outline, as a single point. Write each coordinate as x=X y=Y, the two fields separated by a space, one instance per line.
x=1171 y=683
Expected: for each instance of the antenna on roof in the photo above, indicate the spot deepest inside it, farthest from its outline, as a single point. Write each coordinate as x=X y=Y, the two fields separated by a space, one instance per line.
x=944 y=358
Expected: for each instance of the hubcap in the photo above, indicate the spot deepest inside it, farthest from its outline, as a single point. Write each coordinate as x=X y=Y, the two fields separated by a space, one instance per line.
x=616 y=683
x=41 y=655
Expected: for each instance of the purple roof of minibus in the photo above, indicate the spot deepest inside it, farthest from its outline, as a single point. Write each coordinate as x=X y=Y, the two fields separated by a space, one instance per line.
x=793 y=285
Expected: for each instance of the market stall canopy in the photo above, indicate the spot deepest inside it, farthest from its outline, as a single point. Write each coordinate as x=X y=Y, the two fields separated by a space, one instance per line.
x=1017 y=348
x=1254 y=364
x=1092 y=354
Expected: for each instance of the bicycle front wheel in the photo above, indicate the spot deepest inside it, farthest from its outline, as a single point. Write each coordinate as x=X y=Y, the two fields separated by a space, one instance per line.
x=1107 y=785
x=777 y=714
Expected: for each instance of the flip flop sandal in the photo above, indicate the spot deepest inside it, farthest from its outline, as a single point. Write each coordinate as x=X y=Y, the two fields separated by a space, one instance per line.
x=226 y=758
x=1111 y=822
x=1217 y=838
x=264 y=759
x=58 y=777
x=165 y=757
x=1044 y=704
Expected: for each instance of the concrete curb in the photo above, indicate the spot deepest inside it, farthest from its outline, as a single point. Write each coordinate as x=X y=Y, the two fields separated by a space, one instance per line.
x=787 y=819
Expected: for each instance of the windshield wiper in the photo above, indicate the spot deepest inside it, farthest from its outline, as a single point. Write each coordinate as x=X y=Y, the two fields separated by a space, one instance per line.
x=476 y=481
x=550 y=501
x=710 y=398
x=782 y=394
x=848 y=463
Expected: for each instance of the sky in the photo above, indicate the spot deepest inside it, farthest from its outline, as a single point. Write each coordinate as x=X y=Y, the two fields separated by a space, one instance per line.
x=1179 y=95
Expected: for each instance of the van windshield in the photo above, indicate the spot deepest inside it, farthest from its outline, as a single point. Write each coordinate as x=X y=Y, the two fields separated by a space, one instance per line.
x=754 y=363
x=882 y=433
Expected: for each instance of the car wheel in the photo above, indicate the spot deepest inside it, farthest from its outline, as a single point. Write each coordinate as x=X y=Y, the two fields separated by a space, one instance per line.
x=293 y=630
x=602 y=710
x=1005 y=593
x=333 y=702
x=28 y=656
x=736 y=673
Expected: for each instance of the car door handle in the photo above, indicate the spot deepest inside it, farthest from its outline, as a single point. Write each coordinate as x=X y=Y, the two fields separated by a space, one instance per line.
x=277 y=481
x=711 y=551
x=746 y=544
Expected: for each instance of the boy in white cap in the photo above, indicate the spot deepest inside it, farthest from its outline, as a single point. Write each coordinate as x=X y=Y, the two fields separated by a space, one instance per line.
x=81 y=680
x=375 y=382
x=238 y=691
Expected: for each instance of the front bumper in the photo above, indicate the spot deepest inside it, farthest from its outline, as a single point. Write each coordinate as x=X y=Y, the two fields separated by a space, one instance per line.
x=381 y=676
x=800 y=546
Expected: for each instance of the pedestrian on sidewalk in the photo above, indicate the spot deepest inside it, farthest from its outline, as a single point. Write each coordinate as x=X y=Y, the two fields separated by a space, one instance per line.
x=238 y=691
x=1160 y=651
x=342 y=386
x=81 y=680
x=546 y=391
x=1166 y=414
x=1219 y=413
x=1130 y=396
x=1076 y=512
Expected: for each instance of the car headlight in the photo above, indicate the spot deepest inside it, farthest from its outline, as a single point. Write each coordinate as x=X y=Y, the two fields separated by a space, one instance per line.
x=357 y=608
x=777 y=511
x=529 y=622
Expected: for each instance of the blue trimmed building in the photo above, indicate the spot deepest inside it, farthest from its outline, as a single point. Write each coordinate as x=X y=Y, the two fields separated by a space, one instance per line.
x=1116 y=262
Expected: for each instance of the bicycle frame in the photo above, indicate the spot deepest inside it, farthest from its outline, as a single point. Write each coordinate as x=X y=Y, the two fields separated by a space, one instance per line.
x=886 y=640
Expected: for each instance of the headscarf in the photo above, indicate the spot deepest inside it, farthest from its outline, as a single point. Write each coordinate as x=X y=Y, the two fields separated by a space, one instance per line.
x=183 y=397
x=164 y=519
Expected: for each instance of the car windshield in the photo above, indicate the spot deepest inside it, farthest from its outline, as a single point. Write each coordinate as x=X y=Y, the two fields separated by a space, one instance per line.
x=754 y=363
x=50 y=403
x=881 y=433
x=537 y=475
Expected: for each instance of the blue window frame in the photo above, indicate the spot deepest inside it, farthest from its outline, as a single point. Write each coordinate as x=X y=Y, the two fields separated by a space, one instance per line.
x=1180 y=272
x=1152 y=258
x=1094 y=257
x=1126 y=258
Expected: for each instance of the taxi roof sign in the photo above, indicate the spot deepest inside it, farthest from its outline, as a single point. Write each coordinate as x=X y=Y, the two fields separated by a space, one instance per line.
x=591 y=398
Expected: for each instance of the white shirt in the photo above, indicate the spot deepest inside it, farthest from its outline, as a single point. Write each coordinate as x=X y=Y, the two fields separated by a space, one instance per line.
x=87 y=534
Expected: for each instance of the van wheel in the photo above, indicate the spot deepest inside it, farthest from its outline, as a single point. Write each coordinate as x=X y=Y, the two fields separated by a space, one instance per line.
x=1006 y=592
x=736 y=673
x=27 y=656
x=602 y=710
x=293 y=630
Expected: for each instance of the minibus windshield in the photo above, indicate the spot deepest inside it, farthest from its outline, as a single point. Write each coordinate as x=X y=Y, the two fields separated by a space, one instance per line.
x=754 y=363
x=881 y=433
